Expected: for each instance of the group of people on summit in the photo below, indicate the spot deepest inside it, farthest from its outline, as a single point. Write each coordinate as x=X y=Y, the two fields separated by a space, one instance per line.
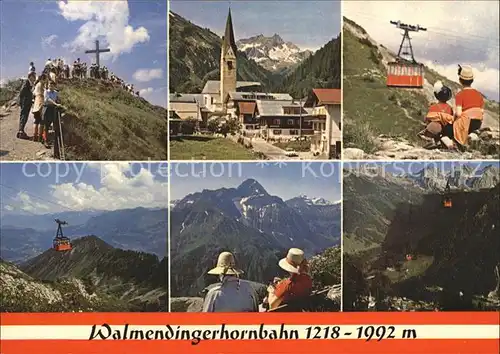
x=40 y=97
x=233 y=294
x=452 y=126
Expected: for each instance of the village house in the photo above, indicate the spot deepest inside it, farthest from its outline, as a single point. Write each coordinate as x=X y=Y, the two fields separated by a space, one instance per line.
x=185 y=106
x=243 y=107
x=283 y=120
x=325 y=105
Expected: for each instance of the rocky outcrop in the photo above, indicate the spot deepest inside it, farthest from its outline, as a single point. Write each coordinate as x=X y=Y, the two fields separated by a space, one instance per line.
x=401 y=149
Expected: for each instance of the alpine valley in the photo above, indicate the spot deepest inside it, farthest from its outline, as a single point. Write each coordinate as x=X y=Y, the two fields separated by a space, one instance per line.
x=411 y=245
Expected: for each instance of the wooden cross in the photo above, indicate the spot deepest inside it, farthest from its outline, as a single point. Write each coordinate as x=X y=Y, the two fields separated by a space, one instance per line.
x=97 y=51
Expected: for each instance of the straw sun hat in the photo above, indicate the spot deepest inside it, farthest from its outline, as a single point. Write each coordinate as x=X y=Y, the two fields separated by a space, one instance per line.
x=225 y=265
x=292 y=261
x=465 y=72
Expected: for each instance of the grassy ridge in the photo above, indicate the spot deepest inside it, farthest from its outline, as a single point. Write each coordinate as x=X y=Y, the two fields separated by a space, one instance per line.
x=103 y=122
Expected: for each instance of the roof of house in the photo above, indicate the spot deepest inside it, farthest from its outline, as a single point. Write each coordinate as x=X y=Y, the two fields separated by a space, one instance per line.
x=213 y=86
x=246 y=107
x=275 y=107
x=186 y=97
x=328 y=96
x=185 y=110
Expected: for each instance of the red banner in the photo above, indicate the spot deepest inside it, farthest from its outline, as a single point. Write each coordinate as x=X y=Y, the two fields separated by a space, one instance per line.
x=409 y=332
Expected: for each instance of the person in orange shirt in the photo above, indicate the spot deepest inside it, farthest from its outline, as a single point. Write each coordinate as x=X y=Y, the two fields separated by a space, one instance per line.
x=298 y=285
x=469 y=98
x=439 y=118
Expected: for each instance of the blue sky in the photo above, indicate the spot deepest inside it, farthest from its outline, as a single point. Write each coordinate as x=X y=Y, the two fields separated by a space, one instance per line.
x=308 y=24
x=286 y=181
x=41 y=188
x=135 y=31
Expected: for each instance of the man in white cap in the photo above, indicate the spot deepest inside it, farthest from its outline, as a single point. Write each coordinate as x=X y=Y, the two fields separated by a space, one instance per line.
x=232 y=294
x=469 y=103
x=298 y=285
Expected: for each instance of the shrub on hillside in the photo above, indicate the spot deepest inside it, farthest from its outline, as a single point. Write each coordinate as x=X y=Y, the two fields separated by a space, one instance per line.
x=325 y=268
x=361 y=136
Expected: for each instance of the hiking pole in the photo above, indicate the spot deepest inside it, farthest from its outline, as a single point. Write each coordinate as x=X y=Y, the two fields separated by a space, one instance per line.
x=60 y=137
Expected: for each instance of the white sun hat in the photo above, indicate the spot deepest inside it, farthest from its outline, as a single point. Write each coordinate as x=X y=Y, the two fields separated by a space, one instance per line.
x=466 y=72
x=226 y=265
x=292 y=261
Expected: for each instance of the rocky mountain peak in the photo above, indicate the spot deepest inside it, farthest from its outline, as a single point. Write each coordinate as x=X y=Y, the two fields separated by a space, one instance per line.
x=272 y=53
x=251 y=187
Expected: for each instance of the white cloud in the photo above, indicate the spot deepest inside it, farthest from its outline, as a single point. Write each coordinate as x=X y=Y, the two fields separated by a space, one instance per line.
x=458 y=32
x=145 y=75
x=49 y=41
x=26 y=203
x=106 y=20
x=146 y=91
x=8 y=207
x=119 y=189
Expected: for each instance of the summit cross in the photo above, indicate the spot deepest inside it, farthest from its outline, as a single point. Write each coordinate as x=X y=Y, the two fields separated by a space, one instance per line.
x=97 y=51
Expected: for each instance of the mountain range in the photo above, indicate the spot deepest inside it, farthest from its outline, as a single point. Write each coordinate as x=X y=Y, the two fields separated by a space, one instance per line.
x=272 y=53
x=257 y=227
x=453 y=249
x=93 y=276
x=137 y=229
x=279 y=66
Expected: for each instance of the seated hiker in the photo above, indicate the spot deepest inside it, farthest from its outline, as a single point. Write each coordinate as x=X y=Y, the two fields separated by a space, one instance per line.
x=37 y=109
x=25 y=103
x=232 y=294
x=439 y=119
x=298 y=285
x=469 y=109
x=50 y=113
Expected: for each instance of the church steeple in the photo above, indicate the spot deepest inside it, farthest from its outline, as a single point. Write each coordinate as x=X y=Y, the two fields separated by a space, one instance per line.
x=228 y=60
x=228 y=40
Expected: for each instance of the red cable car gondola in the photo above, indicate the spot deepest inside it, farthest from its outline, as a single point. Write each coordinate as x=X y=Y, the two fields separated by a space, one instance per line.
x=405 y=71
x=60 y=242
x=447 y=203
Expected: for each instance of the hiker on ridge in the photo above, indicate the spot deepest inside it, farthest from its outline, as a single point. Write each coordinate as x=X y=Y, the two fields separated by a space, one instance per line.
x=297 y=286
x=37 y=109
x=48 y=66
x=469 y=103
x=232 y=294
x=50 y=113
x=25 y=102
x=32 y=68
x=439 y=119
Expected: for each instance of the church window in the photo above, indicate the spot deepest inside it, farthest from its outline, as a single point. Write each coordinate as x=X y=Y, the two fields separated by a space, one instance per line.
x=230 y=65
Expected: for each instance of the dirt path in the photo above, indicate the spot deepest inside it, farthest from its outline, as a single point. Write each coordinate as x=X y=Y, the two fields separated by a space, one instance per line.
x=14 y=149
